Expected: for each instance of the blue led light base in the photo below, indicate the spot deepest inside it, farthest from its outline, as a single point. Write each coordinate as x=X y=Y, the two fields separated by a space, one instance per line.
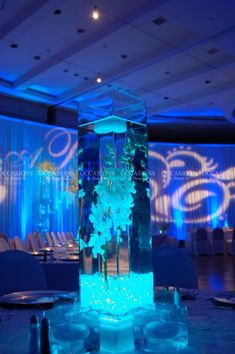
x=116 y=334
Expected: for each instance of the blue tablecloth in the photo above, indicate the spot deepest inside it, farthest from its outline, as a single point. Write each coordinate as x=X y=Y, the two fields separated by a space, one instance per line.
x=62 y=275
x=211 y=328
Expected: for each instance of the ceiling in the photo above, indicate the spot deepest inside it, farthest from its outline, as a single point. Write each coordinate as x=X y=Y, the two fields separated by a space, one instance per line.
x=177 y=55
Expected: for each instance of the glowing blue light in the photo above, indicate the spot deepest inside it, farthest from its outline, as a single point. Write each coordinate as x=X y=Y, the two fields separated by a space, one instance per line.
x=119 y=295
x=111 y=124
x=116 y=334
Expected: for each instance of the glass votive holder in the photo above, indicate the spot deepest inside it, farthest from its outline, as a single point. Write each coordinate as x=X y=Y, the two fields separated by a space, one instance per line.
x=161 y=328
x=69 y=330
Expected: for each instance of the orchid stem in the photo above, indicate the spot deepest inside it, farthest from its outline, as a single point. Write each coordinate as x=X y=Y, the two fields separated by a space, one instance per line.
x=106 y=263
x=118 y=252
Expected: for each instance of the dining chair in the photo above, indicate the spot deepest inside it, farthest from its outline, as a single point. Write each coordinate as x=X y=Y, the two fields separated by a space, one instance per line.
x=70 y=236
x=40 y=240
x=4 y=245
x=174 y=267
x=27 y=242
x=60 y=238
x=20 y=271
x=65 y=237
x=34 y=242
x=50 y=242
x=230 y=244
x=19 y=244
x=55 y=240
x=217 y=243
x=200 y=242
x=4 y=236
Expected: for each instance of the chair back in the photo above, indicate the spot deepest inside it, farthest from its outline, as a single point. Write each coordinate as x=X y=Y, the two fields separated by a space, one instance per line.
x=19 y=244
x=218 y=234
x=4 y=236
x=64 y=236
x=49 y=240
x=60 y=238
x=20 y=271
x=54 y=239
x=201 y=234
x=34 y=242
x=70 y=236
x=4 y=245
x=40 y=240
x=173 y=267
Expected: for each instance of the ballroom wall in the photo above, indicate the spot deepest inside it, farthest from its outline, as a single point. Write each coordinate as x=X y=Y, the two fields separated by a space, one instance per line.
x=37 y=178
x=191 y=186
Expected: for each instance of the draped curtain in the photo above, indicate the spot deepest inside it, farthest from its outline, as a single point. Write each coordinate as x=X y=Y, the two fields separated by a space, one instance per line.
x=38 y=181
x=191 y=186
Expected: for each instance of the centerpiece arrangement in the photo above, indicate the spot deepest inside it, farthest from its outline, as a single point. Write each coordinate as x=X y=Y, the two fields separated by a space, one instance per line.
x=116 y=278
x=116 y=272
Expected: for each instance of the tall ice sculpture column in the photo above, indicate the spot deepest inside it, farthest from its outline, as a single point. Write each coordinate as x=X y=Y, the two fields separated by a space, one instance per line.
x=114 y=213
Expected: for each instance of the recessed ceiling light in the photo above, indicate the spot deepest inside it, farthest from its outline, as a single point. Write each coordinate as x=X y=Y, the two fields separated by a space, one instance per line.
x=109 y=85
x=37 y=57
x=211 y=103
x=75 y=74
x=159 y=20
x=14 y=45
x=211 y=18
x=85 y=78
x=98 y=80
x=66 y=70
x=124 y=56
x=80 y=30
x=57 y=12
x=213 y=51
x=167 y=72
x=166 y=98
x=95 y=14
x=207 y=81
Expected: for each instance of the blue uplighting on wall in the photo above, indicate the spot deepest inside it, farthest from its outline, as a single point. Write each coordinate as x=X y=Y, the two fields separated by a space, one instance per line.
x=191 y=186
x=38 y=166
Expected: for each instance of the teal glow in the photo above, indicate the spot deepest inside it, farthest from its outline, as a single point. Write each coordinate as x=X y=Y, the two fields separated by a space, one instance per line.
x=122 y=294
x=111 y=124
x=161 y=328
x=116 y=334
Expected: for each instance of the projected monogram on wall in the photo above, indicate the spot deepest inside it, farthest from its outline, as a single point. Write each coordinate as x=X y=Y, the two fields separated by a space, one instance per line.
x=189 y=184
x=54 y=138
x=58 y=144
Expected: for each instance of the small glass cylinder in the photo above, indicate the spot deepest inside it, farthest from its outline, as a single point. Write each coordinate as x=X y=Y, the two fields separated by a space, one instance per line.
x=114 y=206
x=161 y=328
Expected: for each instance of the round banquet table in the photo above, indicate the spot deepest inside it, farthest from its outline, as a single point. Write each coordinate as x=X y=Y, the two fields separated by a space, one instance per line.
x=211 y=328
x=61 y=275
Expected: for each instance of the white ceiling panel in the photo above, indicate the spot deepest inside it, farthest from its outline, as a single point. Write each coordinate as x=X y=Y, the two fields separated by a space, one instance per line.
x=177 y=55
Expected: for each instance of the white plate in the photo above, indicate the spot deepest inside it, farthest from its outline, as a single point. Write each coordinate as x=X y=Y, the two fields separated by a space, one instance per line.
x=226 y=298
x=29 y=298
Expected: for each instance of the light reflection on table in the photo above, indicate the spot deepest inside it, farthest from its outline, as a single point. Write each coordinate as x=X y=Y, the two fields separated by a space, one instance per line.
x=211 y=328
